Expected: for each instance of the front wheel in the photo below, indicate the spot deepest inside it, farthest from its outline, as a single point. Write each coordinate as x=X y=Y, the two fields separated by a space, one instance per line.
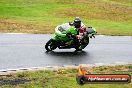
x=51 y=45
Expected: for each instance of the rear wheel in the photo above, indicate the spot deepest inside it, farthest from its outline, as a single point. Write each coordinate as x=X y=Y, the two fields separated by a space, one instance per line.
x=51 y=45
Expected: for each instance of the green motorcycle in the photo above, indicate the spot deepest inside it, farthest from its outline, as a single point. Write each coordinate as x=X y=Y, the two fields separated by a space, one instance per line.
x=64 y=42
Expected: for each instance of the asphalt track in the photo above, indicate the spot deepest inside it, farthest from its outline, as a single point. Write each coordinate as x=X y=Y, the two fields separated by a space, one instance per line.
x=27 y=50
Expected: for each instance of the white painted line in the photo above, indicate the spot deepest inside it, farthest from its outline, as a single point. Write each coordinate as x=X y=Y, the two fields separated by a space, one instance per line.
x=7 y=71
x=99 y=64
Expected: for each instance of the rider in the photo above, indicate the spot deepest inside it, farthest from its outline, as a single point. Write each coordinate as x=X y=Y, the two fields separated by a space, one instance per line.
x=80 y=27
x=77 y=24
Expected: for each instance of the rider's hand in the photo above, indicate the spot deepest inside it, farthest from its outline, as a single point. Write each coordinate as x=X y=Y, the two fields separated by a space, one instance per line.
x=78 y=37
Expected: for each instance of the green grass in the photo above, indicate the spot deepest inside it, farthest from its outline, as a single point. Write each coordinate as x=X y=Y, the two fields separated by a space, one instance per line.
x=110 y=17
x=65 y=78
x=123 y=2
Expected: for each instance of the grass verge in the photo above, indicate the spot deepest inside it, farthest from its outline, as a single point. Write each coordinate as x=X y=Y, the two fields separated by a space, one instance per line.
x=110 y=17
x=61 y=78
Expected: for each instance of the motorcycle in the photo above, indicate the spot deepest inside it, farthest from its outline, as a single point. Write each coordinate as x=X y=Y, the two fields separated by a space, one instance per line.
x=72 y=42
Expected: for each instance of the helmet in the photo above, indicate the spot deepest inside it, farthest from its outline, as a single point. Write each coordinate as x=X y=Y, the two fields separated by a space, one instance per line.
x=77 y=22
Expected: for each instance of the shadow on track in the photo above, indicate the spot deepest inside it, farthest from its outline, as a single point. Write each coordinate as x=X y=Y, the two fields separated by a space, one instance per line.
x=67 y=57
x=67 y=53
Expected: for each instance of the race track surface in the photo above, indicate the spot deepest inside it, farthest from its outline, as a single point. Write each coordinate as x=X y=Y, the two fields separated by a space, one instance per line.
x=28 y=50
